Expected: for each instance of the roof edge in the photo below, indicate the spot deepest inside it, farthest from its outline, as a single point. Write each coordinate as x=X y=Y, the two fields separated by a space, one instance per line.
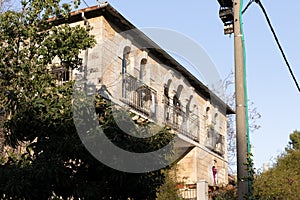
x=106 y=8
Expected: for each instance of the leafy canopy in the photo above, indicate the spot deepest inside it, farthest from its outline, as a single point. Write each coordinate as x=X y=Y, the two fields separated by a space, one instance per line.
x=39 y=113
x=283 y=180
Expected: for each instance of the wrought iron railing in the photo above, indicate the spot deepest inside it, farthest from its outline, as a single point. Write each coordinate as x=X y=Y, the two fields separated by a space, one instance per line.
x=138 y=95
x=188 y=192
x=183 y=123
x=215 y=141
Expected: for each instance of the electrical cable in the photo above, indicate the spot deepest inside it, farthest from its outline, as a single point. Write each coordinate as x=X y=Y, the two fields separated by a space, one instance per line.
x=247 y=6
x=278 y=44
x=85 y=3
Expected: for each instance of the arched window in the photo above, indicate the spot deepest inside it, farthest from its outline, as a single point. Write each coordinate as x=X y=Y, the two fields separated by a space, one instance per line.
x=143 y=69
x=176 y=101
x=207 y=114
x=188 y=106
x=215 y=119
x=207 y=118
x=166 y=92
x=125 y=59
x=125 y=63
x=177 y=112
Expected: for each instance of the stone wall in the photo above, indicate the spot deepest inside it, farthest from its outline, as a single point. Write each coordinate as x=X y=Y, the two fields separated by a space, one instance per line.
x=104 y=68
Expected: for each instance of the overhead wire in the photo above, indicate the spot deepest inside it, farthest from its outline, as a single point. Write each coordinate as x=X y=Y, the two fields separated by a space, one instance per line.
x=278 y=44
x=85 y=3
x=247 y=6
x=275 y=37
x=242 y=11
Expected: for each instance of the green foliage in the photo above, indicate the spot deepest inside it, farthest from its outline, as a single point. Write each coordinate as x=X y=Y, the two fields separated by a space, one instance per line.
x=227 y=193
x=169 y=189
x=57 y=162
x=39 y=113
x=283 y=180
x=250 y=178
x=295 y=141
x=230 y=191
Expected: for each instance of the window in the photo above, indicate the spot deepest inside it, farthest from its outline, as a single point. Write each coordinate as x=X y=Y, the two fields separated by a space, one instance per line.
x=177 y=115
x=176 y=102
x=125 y=59
x=215 y=141
x=61 y=74
x=143 y=69
x=215 y=119
x=125 y=63
x=207 y=118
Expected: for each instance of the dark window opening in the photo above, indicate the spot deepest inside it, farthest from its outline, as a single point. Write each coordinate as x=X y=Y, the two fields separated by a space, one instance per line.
x=62 y=74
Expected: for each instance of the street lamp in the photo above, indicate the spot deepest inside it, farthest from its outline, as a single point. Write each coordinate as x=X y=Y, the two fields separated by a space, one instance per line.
x=226 y=3
x=226 y=15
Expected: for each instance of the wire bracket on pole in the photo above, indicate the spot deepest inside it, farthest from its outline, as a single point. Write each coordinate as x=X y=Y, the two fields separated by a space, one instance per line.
x=248 y=5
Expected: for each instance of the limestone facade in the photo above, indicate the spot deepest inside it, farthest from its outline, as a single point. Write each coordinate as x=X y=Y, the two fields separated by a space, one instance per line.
x=151 y=84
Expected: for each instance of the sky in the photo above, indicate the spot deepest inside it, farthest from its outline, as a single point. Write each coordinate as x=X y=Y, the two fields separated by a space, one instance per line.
x=270 y=85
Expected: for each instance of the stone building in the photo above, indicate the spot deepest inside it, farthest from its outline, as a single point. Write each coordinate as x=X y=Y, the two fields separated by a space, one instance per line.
x=147 y=81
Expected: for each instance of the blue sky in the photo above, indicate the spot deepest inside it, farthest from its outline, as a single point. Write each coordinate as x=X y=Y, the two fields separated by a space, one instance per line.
x=270 y=85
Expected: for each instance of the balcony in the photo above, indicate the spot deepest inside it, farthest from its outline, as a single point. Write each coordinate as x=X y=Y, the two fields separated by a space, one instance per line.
x=215 y=141
x=185 y=124
x=138 y=96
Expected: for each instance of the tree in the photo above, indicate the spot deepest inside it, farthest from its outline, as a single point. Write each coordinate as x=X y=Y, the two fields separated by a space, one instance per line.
x=38 y=112
x=253 y=116
x=4 y=6
x=66 y=169
x=283 y=180
x=294 y=143
x=1 y=134
x=226 y=92
x=169 y=189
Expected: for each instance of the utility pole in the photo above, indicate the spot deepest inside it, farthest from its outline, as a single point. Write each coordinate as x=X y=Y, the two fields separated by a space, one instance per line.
x=241 y=139
x=230 y=14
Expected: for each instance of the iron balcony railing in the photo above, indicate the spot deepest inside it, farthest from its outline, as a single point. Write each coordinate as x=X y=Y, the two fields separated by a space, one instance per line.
x=188 y=191
x=139 y=96
x=183 y=123
x=215 y=141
